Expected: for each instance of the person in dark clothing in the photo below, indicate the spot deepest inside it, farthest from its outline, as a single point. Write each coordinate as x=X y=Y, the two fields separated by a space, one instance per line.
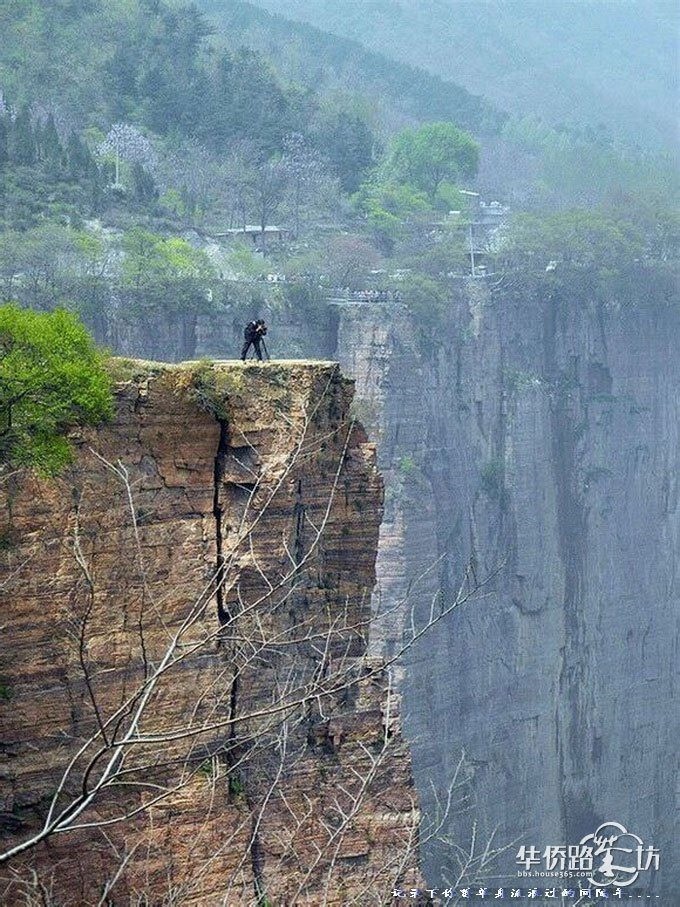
x=253 y=335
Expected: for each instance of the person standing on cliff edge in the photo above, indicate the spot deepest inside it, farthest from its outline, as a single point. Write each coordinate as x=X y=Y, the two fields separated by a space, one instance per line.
x=254 y=334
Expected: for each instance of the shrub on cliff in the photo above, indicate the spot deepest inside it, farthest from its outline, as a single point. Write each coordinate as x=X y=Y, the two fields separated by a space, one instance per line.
x=428 y=303
x=52 y=378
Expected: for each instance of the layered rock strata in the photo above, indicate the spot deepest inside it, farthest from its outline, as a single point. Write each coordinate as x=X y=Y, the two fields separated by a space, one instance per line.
x=187 y=703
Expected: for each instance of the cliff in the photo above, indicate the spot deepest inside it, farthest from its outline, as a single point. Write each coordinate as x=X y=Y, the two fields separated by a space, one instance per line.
x=531 y=441
x=187 y=704
x=535 y=444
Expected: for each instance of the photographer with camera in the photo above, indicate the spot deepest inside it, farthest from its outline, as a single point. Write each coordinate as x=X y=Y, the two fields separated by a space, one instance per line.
x=254 y=335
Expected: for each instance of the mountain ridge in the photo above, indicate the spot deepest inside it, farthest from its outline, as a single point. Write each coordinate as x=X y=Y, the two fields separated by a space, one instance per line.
x=504 y=49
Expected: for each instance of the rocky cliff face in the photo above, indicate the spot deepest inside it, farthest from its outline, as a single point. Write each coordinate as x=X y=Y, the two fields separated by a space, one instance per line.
x=536 y=451
x=185 y=625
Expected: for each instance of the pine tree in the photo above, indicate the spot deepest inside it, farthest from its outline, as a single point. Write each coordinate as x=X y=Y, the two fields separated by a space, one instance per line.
x=22 y=144
x=79 y=160
x=51 y=152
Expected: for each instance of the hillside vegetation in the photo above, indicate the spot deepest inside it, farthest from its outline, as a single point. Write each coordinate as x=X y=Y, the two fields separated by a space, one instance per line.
x=583 y=62
x=315 y=59
x=132 y=131
x=593 y=110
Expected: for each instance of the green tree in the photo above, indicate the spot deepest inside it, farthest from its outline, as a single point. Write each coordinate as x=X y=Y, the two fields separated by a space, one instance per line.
x=79 y=158
x=246 y=101
x=580 y=240
x=145 y=190
x=427 y=301
x=347 y=140
x=86 y=285
x=449 y=252
x=52 y=378
x=432 y=154
x=51 y=152
x=4 y=152
x=166 y=273
x=599 y=254
x=22 y=148
x=388 y=207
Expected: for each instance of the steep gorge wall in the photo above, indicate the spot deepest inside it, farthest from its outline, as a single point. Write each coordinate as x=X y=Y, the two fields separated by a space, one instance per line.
x=235 y=512
x=539 y=448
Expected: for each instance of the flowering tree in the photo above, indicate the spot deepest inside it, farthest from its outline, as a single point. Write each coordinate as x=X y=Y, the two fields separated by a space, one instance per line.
x=125 y=143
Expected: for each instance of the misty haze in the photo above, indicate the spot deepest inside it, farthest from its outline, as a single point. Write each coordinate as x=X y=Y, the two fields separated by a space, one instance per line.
x=339 y=452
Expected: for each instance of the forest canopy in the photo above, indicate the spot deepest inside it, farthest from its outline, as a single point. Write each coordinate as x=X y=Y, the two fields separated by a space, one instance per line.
x=132 y=130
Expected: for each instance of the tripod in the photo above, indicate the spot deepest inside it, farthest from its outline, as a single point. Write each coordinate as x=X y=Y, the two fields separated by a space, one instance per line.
x=267 y=357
